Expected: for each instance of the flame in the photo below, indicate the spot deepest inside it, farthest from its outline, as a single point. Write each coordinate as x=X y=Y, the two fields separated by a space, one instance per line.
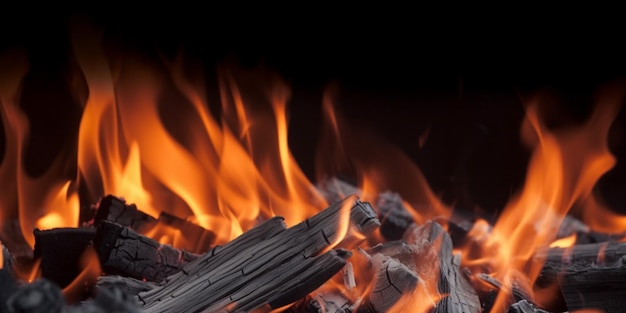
x=91 y=269
x=45 y=201
x=223 y=176
x=565 y=242
x=347 y=147
x=564 y=168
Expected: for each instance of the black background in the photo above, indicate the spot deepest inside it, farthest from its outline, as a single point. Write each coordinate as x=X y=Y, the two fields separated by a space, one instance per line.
x=459 y=75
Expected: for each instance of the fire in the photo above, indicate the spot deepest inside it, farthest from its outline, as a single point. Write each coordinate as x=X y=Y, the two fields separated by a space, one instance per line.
x=564 y=168
x=223 y=176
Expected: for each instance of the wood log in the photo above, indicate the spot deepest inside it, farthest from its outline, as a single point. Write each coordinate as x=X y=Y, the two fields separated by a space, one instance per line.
x=394 y=216
x=559 y=260
x=113 y=209
x=520 y=290
x=336 y=189
x=60 y=250
x=124 y=252
x=457 y=293
x=595 y=287
x=268 y=266
x=333 y=302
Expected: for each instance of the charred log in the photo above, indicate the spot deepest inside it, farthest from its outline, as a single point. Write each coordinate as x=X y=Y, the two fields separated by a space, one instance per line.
x=124 y=252
x=275 y=266
x=323 y=303
x=458 y=294
x=60 y=250
x=524 y=306
x=116 y=210
x=110 y=208
x=520 y=290
x=394 y=216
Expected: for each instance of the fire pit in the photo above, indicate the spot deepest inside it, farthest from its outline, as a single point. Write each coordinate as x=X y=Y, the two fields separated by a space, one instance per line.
x=173 y=191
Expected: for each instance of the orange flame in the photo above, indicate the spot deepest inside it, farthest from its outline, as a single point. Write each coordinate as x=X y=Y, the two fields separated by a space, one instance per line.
x=221 y=176
x=87 y=278
x=564 y=167
x=564 y=242
x=45 y=201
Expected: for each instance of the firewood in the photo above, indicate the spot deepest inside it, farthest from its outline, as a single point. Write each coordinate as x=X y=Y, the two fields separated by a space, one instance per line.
x=393 y=280
x=457 y=292
x=268 y=266
x=335 y=189
x=559 y=260
x=571 y=225
x=524 y=306
x=113 y=209
x=123 y=251
x=520 y=290
x=598 y=287
x=394 y=216
x=60 y=250
x=333 y=302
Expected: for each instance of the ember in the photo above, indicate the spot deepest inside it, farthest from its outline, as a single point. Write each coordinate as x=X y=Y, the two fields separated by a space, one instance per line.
x=176 y=208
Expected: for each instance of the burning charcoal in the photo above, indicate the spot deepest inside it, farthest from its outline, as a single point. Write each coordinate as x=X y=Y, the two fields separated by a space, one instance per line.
x=110 y=208
x=40 y=296
x=123 y=251
x=524 y=306
x=600 y=287
x=335 y=189
x=268 y=266
x=129 y=285
x=458 y=295
x=589 y=275
x=395 y=218
x=60 y=250
x=323 y=303
x=520 y=290
x=393 y=281
x=116 y=210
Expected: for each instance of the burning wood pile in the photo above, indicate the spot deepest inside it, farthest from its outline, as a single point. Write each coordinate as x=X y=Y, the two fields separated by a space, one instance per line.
x=220 y=217
x=298 y=269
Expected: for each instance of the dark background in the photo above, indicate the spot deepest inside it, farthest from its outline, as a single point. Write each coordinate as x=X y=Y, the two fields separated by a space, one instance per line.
x=459 y=76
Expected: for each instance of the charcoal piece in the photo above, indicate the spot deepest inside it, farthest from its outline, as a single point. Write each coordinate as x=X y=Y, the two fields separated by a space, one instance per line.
x=524 y=306
x=60 y=250
x=267 y=267
x=520 y=290
x=124 y=252
x=457 y=293
x=40 y=296
x=393 y=280
x=335 y=189
x=597 y=237
x=595 y=287
x=113 y=209
x=559 y=260
x=394 y=216
x=111 y=299
x=332 y=302
x=130 y=286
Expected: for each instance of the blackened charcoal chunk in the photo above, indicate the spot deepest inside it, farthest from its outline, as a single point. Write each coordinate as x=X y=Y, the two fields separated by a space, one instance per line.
x=41 y=296
x=394 y=216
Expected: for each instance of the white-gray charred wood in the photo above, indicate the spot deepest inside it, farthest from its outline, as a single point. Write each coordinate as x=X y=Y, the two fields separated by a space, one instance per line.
x=283 y=266
x=457 y=293
x=524 y=306
x=123 y=251
x=393 y=280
